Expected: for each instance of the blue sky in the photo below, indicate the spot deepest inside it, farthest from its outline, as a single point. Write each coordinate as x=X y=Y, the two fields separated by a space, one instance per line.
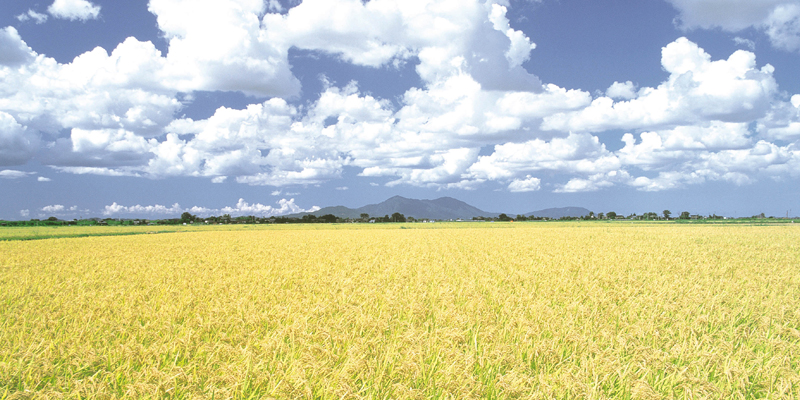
x=152 y=108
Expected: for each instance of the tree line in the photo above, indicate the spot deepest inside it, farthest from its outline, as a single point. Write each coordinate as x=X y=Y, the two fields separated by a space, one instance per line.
x=188 y=218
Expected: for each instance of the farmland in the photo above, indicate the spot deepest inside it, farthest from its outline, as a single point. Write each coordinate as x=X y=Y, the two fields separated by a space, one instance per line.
x=525 y=310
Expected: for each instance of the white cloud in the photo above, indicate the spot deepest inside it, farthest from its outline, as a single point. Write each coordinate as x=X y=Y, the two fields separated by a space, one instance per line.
x=529 y=184
x=157 y=209
x=17 y=143
x=448 y=37
x=25 y=213
x=13 y=51
x=521 y=46
x=97 y=91
x=783 y=27
x=621 y=90
x=782 y=122
x=778 y=19
x=43 y=179
x=114 y=104
x=576 y=185
x=577 y=153
x=14 y=174
x=123 y=171
x=220 y=45
x=697 y=90
x=342 y=188
x=745 y=43
x=74 y=10
x=57 y=208
x=114 y=114
x=285 y=207
x=242 y=207
x=32 y=15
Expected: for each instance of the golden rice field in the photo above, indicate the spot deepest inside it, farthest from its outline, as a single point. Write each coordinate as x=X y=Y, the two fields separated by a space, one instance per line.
x=525 y=310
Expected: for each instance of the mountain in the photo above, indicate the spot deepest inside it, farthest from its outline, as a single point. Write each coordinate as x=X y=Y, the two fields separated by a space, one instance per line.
x=441 y=208
x=556 y=213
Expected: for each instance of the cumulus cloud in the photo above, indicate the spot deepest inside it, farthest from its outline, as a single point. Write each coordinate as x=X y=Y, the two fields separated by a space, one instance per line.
x=17 y=143
x=529 y=184
x=621 y=90
x=582 y=153
x=114 y=113
x=24 y=213
x=43 y=179
x=242 y=207
x=697 y=90
x=74 y=10
x=220 y=45
x=13 y=51
x=778 y=19
x=593 y=182
x=783 y=27
x=114 y=105
x=448 y=37
x=57 y=208
x=32 y=15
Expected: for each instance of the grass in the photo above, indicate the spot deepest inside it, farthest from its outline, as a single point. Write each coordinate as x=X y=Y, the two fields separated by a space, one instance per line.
x=564 y=310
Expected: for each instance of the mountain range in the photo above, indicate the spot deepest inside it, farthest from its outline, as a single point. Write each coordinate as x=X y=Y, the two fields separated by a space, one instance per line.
x=443 y=208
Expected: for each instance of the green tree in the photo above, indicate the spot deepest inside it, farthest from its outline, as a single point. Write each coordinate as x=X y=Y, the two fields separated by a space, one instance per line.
x=684 y=215
x=504 y=217
x=364 y=217
x=611 y=215
x=397 y=217
x=328 y=218
x=667 y=213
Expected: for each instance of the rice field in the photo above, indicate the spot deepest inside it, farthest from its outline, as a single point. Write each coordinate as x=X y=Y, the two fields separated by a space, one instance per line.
x=452 y=311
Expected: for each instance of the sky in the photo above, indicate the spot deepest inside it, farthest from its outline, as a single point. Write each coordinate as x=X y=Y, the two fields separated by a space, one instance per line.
x=147 y=109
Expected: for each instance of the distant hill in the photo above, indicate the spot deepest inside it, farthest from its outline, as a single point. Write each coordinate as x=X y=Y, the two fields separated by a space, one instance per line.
x=556 y=213
x=442 y=208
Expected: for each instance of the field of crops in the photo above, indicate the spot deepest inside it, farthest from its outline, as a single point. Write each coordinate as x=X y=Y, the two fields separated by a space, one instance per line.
x=525 y=310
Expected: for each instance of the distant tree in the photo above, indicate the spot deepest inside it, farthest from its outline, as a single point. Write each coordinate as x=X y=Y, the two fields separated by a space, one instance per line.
x=397 y=217
x=52 y=219
x=187 y=217
x=521 y=217
x=364 y=217
x=667 y=213
x=328 y=218
x=684 y=215
x=591 y=214
x=504 y=217
x=601 y=216
x=611 y=215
